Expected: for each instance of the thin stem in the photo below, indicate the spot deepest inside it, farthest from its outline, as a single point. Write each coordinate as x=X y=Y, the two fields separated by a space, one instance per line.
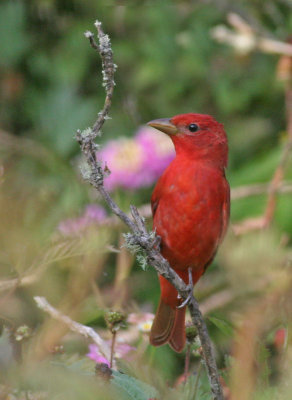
x=187 y=362
x=280 y=170
x=152 y=356
x=114 y=335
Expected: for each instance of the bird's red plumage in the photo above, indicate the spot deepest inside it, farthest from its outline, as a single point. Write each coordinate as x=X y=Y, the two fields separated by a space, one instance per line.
x=190 y=206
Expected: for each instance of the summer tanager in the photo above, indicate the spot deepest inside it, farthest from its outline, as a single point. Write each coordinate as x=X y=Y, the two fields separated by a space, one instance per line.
x=190 y=207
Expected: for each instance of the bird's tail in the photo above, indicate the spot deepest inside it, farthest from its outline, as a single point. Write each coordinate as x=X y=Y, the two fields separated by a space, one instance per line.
x=169 y=327
x=169 y=322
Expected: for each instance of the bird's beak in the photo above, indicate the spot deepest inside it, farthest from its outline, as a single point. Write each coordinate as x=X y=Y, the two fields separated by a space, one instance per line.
x=163 y=125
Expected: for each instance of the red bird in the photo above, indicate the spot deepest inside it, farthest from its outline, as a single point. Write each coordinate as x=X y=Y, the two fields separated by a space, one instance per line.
x=190 y=207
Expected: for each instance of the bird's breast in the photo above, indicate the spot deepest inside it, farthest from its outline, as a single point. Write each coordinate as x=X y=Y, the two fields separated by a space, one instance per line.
x=191 y=213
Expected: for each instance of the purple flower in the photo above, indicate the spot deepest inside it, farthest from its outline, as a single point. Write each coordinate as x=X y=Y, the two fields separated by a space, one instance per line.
x=138 y=162
x=93 y=214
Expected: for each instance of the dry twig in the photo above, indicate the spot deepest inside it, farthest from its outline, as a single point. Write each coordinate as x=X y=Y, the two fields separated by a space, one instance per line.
x=280 y=170
x=145 y=211
x=83 y=330
x=72 y=247
x=139 y=238
x=245 y=39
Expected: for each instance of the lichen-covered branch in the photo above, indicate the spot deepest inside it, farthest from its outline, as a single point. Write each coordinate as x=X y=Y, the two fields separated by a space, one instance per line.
x=139 y=240
x=108 y=71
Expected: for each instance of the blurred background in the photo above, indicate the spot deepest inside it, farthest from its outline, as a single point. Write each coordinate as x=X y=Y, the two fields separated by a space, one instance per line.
x=57 y=238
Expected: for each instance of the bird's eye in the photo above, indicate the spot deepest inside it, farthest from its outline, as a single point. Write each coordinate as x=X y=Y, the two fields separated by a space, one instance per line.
x=193 y=127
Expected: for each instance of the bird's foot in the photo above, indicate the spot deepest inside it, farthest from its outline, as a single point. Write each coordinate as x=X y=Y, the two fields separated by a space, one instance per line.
x=186 y=301
x=190 y=290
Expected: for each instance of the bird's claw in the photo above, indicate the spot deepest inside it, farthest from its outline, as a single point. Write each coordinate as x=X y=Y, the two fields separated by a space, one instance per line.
x=185 y=302
x=190 y=290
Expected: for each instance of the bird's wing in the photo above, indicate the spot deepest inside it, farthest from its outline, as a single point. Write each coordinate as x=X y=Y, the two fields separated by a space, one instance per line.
x=225 y=210
x=156 y=195
x=154 y=205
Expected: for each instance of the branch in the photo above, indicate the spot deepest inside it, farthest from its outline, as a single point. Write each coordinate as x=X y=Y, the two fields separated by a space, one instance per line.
x=244 y=39
x=139 y=238
x=276 y=185
x=280 y=170
x=58 y=251
x=259 y=188
x=145 y=211
x=108 y=71
x=83 y=330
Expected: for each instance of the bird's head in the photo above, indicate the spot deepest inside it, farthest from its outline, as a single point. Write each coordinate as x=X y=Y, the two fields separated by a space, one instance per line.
x=195 y=135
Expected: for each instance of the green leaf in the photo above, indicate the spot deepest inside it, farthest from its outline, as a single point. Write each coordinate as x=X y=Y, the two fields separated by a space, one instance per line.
x=81 y=366
x=57 y=113
x=132 y=388
x=197 y=386
x=224 y=326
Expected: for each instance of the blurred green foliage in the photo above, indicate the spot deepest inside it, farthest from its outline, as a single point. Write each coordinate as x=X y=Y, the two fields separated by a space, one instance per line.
x=168 y=64
x=167 y=61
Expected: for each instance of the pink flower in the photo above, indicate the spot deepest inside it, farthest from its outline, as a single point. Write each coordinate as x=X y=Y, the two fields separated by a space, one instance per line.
x=93 y=214
x=125 y=161
x=138 y=162
x=121 y=350
x=158 y=150
x=96 y=356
